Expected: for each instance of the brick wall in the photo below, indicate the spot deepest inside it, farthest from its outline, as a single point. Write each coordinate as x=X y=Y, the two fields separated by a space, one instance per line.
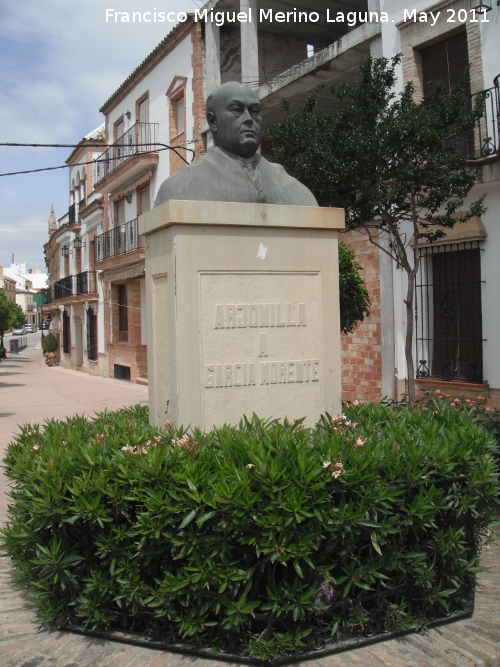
x=197 y=86
x=479 y=393
x=127 y=353
x=362 y=350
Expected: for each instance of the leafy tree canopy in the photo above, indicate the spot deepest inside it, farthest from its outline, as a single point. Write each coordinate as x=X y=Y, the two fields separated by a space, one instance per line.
x=11 y=315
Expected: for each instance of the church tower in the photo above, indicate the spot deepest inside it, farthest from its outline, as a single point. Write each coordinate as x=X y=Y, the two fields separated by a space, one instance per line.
x=52 y=220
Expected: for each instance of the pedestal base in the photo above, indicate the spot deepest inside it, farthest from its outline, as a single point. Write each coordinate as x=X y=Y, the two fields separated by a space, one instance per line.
x=243 y=312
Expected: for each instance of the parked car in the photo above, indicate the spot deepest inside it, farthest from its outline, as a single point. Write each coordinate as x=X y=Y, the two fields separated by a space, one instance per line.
x=45 y=324
x=30 y=328
x=19 y=331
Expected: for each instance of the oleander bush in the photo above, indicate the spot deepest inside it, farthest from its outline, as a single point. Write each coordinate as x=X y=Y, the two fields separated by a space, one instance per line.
x=270 y=538
x=478 y=408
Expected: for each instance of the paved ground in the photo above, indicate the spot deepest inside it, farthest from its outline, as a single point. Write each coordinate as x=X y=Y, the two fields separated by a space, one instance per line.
x=32 y=392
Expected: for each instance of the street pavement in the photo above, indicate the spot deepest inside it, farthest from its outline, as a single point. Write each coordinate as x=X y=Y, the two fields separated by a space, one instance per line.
x=31 y=392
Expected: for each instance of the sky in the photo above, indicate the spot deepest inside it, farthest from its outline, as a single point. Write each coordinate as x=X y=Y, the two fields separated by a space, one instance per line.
x=59 y=62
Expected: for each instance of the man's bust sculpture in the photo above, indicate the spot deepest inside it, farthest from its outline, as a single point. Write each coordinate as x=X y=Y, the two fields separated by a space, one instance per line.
x=232 y=170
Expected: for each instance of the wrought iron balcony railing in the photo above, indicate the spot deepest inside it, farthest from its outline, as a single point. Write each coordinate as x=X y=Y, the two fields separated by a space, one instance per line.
x=487 y=129
x=63 y=288
x=81 y=283
x=86 y=282
x=140 y=138
x=117 y=241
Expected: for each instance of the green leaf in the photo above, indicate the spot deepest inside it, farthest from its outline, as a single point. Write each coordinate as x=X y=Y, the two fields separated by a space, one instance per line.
x=188 y=518
x=375 y=543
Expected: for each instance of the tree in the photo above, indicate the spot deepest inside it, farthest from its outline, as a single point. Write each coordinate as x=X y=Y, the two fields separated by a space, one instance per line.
x=354 y=299
x=4 y=315
x=389 y=161
x=11 y=315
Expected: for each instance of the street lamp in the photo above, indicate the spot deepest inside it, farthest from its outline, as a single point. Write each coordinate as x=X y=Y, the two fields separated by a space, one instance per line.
x=481 y=5
x=66 y=250
x=78 y=243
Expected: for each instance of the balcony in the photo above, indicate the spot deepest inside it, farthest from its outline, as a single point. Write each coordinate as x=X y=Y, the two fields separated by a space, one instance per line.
x=118 y=241
x=131 y=155
x=485 y=142
x=336 y=62
x=71 y=286
x=86 y=282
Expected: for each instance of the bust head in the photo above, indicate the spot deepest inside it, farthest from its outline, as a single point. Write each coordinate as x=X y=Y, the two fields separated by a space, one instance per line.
x=233 y=114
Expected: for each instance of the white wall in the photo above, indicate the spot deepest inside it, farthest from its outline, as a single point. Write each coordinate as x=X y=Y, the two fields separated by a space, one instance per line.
x=490 y=41
x=157 y=82
x=490 y=266
x=490 y=274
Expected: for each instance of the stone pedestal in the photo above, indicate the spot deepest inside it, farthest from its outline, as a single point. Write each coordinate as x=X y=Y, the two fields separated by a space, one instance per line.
x=243 y=311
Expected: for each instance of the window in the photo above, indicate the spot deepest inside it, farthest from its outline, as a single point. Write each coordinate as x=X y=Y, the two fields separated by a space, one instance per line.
x=117 y=240
x=448 y=313
x=91 y=334
x=180 y=115
x=143 y=135
x=445 y=64
x=119 y=129
x=65 y=332
x=143 y=200
x=119 y=212
x=120 y=148
x=122 y=313
x=143 y=111
x=176 y=94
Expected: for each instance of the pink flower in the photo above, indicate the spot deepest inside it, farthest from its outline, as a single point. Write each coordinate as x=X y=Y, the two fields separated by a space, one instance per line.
x=186 y=442
x=360 y=442
x=335 y=466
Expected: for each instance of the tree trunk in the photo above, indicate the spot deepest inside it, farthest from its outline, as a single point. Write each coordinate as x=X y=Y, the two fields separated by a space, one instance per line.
x=410 y=369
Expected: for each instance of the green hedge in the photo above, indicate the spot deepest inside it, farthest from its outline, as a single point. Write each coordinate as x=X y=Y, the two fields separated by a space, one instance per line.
x=115 y=523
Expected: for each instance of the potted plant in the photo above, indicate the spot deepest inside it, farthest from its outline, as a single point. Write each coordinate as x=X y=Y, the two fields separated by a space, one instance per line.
x=50 y=345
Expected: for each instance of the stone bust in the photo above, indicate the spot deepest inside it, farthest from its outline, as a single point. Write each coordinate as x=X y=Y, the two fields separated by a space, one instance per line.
x=232 y=170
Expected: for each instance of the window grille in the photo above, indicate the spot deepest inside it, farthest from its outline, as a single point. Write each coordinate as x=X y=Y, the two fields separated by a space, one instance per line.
x=448 y=313
x=65 y=331
x=91 y=334
x=122 y=313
